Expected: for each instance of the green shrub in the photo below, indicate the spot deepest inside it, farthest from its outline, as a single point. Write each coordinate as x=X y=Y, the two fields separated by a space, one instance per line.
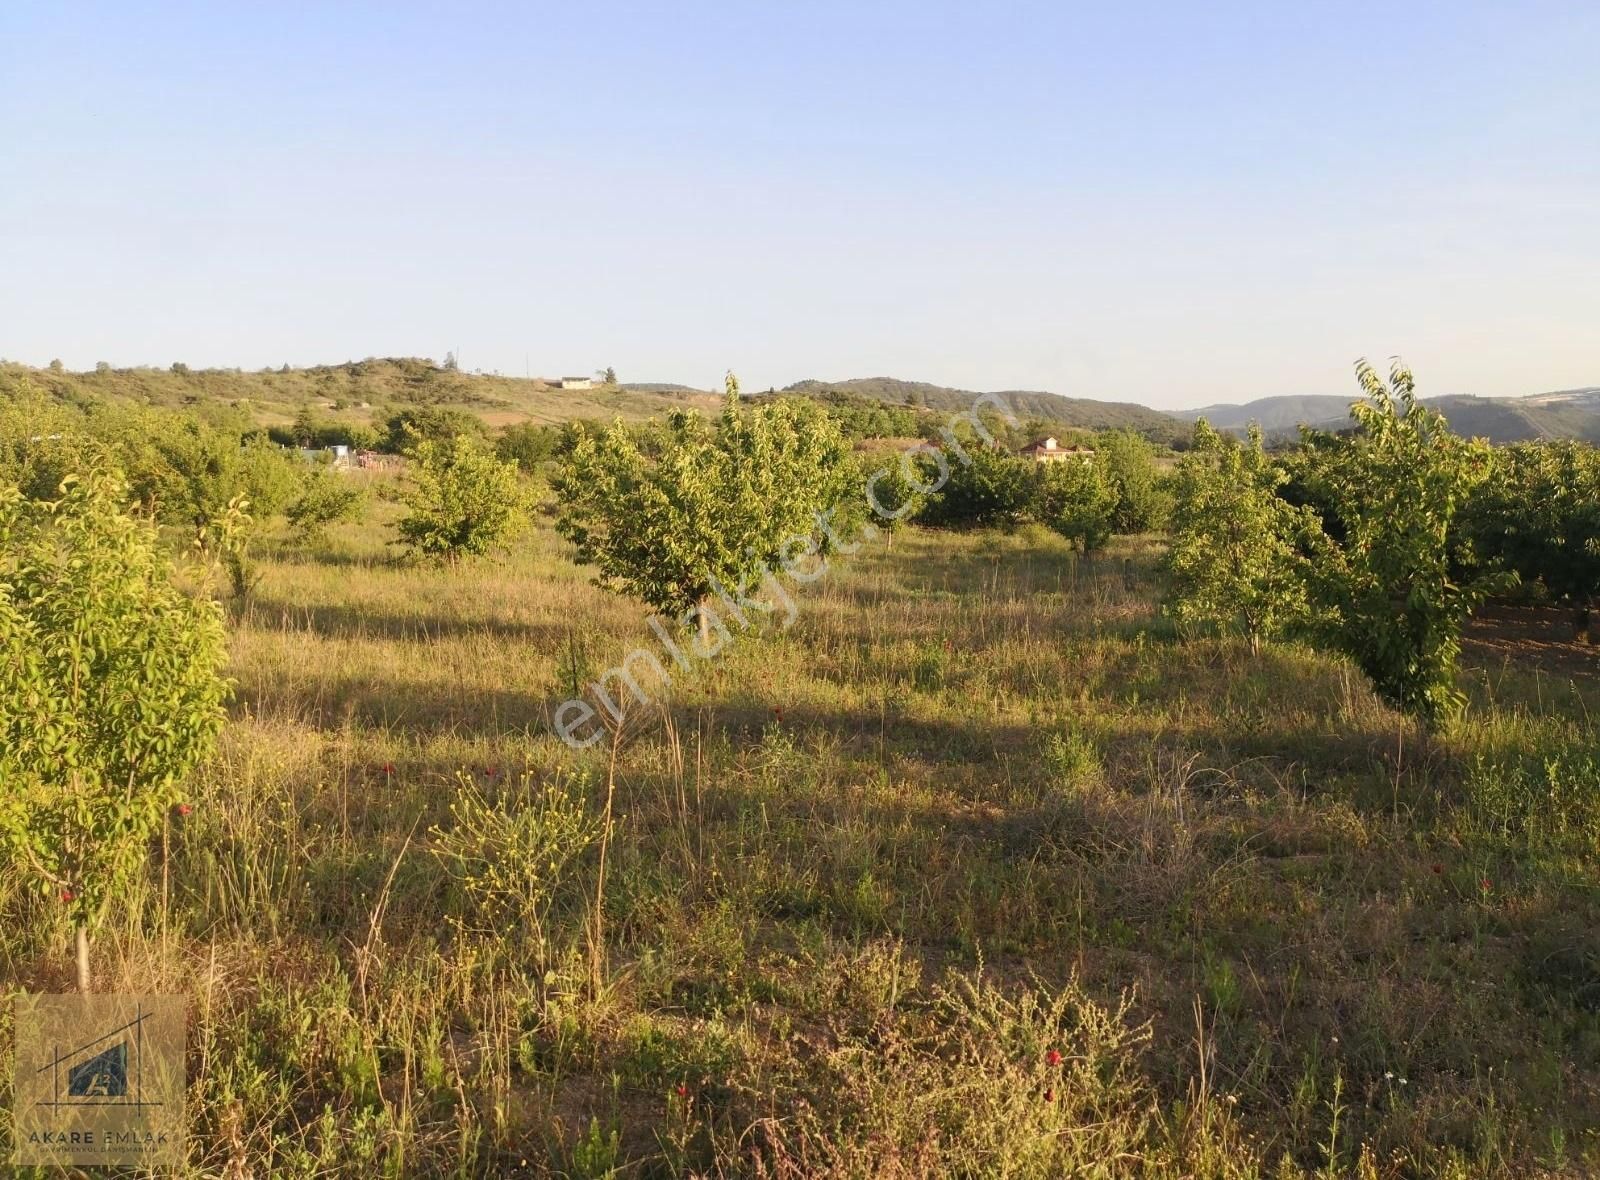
x=702 y=506
x=42 y=442
x=268 y=477
x=1072 y=761
x=893 y=498
x=404 y=431
x=110 y=692
x=1236 y=557
x=530 y=445
x=1073 y=499
x=990 y=489
x=463 y=501
x=1127 y=461
x=1393 y=587
x=326 y=499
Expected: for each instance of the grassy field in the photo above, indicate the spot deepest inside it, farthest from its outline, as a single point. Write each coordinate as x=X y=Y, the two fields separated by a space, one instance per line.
x=977 y=870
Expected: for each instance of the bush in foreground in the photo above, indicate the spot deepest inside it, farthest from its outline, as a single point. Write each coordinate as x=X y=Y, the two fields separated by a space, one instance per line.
x=110 y=693
x=1394 y=588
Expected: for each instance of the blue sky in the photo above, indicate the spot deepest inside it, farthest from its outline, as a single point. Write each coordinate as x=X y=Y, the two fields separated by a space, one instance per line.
x=1167 y=203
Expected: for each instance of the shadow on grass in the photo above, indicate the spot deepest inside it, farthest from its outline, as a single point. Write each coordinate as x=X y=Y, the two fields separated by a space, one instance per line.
x=344 y=622
x=425 y=710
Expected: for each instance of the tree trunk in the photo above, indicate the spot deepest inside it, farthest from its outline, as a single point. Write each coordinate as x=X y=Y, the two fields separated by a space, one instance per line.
x=705 y=625
x=85 y=984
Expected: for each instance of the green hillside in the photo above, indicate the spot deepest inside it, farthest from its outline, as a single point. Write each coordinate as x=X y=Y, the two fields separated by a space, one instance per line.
x=1572 y=413
x=363 y=391
x=1082 y=413
x=355 y=391
x=1273 y=414
x=1505 y=420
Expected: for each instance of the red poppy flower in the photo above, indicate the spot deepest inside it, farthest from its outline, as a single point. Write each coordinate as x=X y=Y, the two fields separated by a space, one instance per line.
x=1050 y=1094
x=491 y=771
x=1053 y=1057
x=1438 y=869
x=67 y=895
x=682 y=1090
x=183 y=809
x=1486 y=884
x=388 y=768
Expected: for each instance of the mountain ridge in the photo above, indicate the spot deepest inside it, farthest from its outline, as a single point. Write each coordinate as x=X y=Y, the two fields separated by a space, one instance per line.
x=1049 y=408
x=360 y=388
x=1568 y=413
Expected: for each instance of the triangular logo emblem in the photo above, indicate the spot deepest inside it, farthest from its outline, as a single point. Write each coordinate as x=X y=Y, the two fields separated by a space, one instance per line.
x=105 y=1075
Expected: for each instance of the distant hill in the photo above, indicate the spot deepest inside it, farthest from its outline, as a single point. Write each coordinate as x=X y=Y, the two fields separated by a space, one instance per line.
x=1570 y=413
x=1519 y=419
x=1272 y=414
x=1083 y=413
x=356 y=391
x=364 y=391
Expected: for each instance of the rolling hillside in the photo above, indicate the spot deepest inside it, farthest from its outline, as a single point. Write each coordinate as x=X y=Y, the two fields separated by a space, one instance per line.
x=1083 y=413
x=1272 y=414
x=356 y=390
x=1572 y=413
x=363 y=391
x=366 y=390
x=1517 y=419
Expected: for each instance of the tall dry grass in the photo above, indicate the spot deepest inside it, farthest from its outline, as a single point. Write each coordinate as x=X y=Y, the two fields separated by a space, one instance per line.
x=866 y=880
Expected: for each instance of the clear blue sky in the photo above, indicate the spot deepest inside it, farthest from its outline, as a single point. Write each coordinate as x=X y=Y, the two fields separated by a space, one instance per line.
x=1169 y=203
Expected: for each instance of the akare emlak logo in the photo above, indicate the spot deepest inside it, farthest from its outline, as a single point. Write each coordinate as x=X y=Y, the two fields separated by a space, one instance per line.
x=99 y=1080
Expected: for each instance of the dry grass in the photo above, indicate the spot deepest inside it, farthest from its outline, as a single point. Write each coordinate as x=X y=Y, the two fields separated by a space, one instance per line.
x=1004 y=810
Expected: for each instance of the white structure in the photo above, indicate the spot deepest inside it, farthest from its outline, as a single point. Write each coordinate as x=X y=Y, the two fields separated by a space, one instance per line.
x=337 y=455
x=1048 y=450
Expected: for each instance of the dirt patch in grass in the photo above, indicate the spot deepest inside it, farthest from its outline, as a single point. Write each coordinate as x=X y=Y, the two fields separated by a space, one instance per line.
x=1542 y=637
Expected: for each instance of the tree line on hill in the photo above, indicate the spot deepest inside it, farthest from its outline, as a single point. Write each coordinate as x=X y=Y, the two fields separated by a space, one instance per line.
x=1057 y=412
x=414 y=381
